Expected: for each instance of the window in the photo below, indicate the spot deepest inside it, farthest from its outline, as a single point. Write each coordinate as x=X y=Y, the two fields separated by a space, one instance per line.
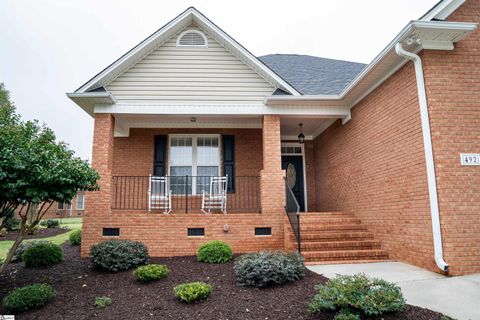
x=80 y=202
x=197 y=157
x=69 y=205
x=60 y=205
x=192 y=38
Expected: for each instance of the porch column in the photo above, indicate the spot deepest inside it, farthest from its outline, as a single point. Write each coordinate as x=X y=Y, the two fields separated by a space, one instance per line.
x=98 y=203
x=272 y=185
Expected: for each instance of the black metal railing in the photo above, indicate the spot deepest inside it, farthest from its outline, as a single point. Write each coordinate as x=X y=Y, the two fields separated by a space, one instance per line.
x=131 y=193
x=292 y=209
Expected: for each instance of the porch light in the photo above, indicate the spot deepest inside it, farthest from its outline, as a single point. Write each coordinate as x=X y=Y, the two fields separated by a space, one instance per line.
x=301 y=136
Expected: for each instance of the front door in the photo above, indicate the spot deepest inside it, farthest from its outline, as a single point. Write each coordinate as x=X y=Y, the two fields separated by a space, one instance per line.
x=293 y=166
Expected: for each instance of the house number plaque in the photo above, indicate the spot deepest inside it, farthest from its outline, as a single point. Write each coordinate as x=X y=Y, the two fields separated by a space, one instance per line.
x=470 y=159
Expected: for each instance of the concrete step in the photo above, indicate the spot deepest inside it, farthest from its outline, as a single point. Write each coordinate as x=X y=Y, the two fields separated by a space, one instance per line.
x=339 y=245
x=339 y=255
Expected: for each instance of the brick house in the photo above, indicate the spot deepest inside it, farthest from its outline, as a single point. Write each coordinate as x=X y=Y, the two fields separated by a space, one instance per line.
x=381 y=173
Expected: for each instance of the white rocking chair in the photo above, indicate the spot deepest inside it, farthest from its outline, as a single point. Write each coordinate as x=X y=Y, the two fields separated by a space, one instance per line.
x=159 y=194
x=216 y=198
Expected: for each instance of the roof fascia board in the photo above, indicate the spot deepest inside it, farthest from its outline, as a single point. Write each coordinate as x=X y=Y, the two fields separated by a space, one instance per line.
x=442 y=10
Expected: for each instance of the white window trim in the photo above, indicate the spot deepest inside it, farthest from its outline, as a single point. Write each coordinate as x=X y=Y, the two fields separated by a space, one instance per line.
x=192 y=46
x=302 y=146
x=83 y=202
x=194 y=153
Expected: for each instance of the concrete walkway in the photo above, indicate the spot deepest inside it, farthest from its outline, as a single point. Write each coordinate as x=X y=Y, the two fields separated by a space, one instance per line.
x=457 y=297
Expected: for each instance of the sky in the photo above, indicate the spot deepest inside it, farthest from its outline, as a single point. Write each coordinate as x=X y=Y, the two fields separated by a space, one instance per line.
x=50 y=47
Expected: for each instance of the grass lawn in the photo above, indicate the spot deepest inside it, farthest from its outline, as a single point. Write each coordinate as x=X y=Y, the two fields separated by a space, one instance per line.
x=70 y=223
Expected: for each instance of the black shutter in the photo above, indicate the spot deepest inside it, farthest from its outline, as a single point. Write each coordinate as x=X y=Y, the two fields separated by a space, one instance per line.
x=229 y=161
x=159 y=155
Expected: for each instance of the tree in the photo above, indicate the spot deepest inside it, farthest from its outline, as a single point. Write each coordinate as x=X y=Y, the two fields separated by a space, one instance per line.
x=35 y=170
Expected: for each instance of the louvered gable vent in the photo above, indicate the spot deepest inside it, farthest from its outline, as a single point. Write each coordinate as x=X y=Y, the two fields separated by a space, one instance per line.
x=192 y=38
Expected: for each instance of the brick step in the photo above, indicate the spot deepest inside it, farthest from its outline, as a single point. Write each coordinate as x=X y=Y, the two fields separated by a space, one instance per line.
x=313 y=262
x=338 y=255
x=333 y=214
x=339 y=245
x=330 y=220
x=331 y=227
x=309 y=236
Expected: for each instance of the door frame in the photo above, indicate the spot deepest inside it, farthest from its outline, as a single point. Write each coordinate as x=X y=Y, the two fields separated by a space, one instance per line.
x=302 y=154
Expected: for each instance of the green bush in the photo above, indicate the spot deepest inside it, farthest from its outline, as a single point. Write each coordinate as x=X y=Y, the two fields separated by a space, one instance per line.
x=151 y=272
x=371 y=297
x=12 y=223
x=193 y=291
x=214 y=252
x=50 y=223
x=42 y=255
x=346 y=315
x=268 y=268
x=117 y=255
x=28 y=297
x=75 y=238
x=102 y=302
x=17 y=257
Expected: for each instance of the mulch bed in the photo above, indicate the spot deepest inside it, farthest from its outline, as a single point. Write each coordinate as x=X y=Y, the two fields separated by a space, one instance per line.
x=39 y=234
x=77 y=285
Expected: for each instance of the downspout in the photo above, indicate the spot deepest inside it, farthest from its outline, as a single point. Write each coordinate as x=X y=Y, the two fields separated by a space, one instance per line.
x=430 y=164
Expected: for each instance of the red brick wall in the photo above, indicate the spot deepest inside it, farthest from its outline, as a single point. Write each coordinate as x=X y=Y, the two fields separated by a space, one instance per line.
x=453 y=89
x=374 y=166
x=138 y=149
x=53 y=212
x=310 y=173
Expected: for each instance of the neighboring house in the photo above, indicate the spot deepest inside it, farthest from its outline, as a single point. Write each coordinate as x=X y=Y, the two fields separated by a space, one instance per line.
x=74 y=208
x=378 y=176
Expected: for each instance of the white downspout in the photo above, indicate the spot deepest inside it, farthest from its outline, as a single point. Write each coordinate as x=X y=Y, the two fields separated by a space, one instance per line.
x=427 y=143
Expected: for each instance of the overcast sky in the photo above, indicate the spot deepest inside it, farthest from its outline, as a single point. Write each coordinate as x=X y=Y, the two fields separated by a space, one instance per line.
x=50 y=47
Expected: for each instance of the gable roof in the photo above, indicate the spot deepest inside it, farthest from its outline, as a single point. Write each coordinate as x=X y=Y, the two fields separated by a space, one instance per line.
x=189 y=16
x=313 y=75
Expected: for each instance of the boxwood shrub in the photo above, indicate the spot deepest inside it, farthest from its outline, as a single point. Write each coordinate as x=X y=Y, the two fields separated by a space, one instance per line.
x=118 y=255
x=193 y=291
x=75 y=238
x=28 y=297
x=50 y=223
x=214 y=252
x=268 y=268
x=17 y=257
x=371 y=297
x=42 y=255
x=151 y=272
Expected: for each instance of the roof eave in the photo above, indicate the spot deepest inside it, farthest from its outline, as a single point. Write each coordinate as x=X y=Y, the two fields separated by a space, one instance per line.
x=88 y=100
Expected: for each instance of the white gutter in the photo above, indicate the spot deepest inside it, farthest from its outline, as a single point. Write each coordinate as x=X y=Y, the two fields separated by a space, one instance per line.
x=430 y=163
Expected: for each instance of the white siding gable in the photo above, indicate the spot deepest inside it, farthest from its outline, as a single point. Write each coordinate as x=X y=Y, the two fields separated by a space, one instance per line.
x=189 y=75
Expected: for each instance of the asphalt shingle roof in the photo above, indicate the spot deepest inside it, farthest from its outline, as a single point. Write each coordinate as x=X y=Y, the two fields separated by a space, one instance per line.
x=313 y=75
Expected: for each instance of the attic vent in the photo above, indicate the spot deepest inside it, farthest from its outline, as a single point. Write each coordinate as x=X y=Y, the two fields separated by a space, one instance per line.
x=192 y=38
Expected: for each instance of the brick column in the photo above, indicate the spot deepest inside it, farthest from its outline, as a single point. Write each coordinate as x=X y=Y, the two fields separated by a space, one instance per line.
x=272 y=185
x=98 y=203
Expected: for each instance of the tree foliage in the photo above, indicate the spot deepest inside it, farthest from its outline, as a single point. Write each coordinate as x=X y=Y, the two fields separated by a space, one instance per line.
x=35 y=169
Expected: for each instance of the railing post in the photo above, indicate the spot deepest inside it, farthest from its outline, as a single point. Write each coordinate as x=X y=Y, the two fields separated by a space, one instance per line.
x=186 y=194
x=298 y=234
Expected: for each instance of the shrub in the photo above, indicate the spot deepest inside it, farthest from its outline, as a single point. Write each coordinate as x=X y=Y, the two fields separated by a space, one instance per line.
x=102 y=302
x=28 y=297
x=371 y=297
x=193 y=291
x=42 y=255
x=214 y=252
x=117 y=255
x=50 y=223
x=12 y=223
x=151 y=272
x=23 y=247
x=268 y=268
x=75 y=238
x=346 y=315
